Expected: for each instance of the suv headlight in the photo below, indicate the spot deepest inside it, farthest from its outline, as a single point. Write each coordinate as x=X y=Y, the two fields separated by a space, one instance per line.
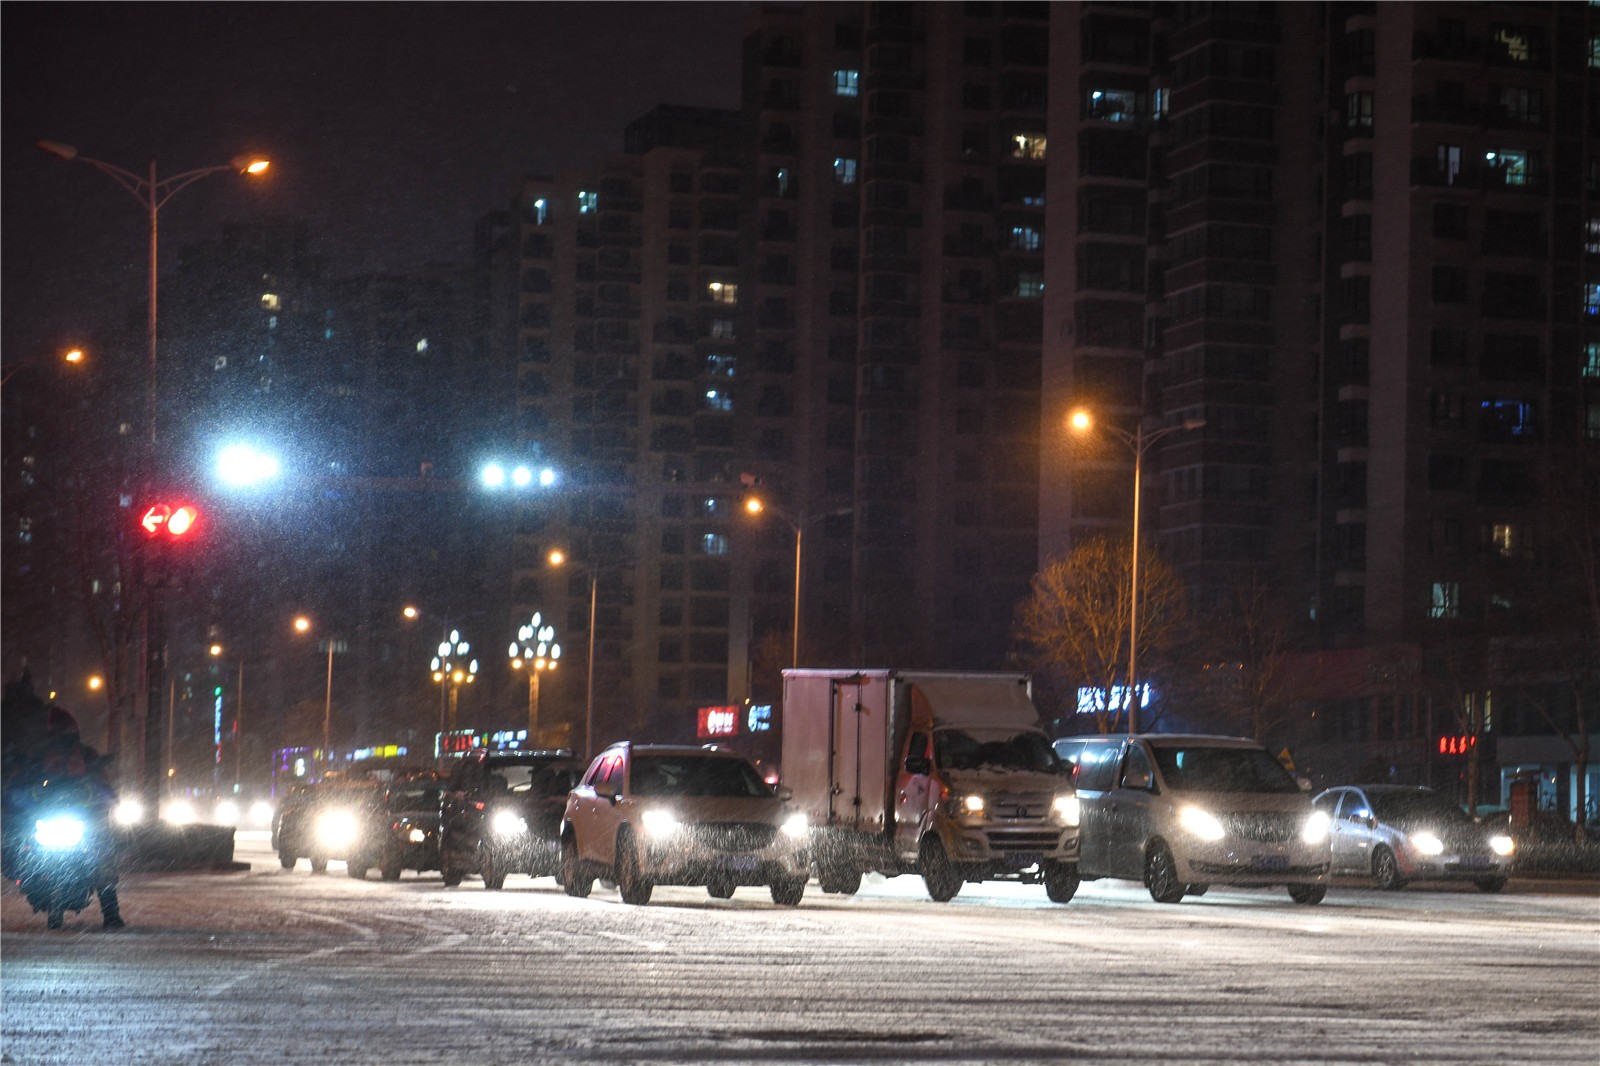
x=59 y=832
x=1068 y=809
x=1202 y=824
x=795 y=826
x=1427 y=843
x=1316 y=828
x=336 y=829
x=660 y=823
x=128 y=812
x=1502 y=845
x=508 y=824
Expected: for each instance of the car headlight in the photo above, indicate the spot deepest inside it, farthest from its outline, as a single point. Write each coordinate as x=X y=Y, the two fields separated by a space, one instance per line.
x=179 y=812
x=1427 y=843
x=417 y=836
x=795 y=826
x=1502 y=845
x=336 y=829
x=59 y=831
x=128 y=812
x=227 y=813
x=508 y=824
x=660 y=823
x=1316 y=828
x=1068 y=809
x=1202 y=824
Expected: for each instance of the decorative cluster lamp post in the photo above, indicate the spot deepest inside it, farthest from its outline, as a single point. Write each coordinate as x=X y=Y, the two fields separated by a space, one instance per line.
x=535 y=650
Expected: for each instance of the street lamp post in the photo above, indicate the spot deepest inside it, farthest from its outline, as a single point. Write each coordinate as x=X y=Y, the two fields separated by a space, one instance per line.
x=535 y=650
x=152 y=193
x=1083 y=421
x=302 y=624
x=755 y=506
x=558 y=558
x=452 y=668
x=72 y=357
x=238 y=722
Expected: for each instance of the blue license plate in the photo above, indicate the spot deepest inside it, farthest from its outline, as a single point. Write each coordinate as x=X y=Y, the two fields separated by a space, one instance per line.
x=740 y=864
x=1021 y=860
x=1476 y=862
x=1270 y=863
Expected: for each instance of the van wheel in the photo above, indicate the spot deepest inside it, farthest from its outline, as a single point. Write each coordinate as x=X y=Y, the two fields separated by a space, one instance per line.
x=938 y=874
x=838 y=878
x=1386 y=870
x=451 y=875
x=1161 y=874
x=1308 y=894
x=631 y=882
x=389 y=870
x=720 y=887
x=1060 y=881
x=356 y=870
x=286 y=859
x=318 y=864
x=573 y=879
x=790 y=892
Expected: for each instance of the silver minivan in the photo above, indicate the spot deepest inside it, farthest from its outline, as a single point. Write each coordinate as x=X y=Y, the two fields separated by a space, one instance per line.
x=1183 y=812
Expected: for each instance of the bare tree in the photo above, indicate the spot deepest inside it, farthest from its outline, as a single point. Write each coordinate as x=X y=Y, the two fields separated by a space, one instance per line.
x=1244 y=667
x=1075 y=621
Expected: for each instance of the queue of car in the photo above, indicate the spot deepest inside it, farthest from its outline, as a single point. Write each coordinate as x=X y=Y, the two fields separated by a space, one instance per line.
x=1177 y=813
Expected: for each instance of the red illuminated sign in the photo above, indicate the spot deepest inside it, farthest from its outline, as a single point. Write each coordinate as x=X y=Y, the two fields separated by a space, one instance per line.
x=718 y=722
x=1458 y=745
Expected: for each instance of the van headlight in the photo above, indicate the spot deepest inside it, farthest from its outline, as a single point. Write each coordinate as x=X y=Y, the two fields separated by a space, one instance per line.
x=660 y=823
x=59 y=832
x=336 y=829
x=1316 y=828
x=1427 y=843
x=508 y=824
x=795 y=826
x=1502 y=845
x=1202 y=824
x=1068 y=809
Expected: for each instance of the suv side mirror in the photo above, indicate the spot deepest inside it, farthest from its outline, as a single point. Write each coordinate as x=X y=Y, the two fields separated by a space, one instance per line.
x=918 y=764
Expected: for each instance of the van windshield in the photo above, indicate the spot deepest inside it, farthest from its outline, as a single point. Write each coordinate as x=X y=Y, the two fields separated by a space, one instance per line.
x=1208 y=769
x=956 y=749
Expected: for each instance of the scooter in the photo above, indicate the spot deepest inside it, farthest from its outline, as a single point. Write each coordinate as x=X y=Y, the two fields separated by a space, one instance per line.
x=64 y=860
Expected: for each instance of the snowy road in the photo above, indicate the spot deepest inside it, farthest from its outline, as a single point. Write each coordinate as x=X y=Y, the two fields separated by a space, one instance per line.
x=290 y=967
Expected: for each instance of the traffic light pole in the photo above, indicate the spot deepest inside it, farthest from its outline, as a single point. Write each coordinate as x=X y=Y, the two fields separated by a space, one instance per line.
x=155 y=667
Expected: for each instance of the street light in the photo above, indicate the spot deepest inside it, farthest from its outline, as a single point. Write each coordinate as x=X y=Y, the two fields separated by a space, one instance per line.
x=72 y=357
x=756 y=506
x=1082 y=421
x=452 y=667
x=535 y=650
x=238 y=720
x=152 y=194
x=559 y=558
x=302 y=624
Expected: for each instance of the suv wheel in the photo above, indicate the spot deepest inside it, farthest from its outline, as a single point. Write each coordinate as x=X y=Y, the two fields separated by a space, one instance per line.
x=286 y=858
x=938 y=874
x=630 y=880
x=573 y=878
x=720 y=886
x=1161 y=874
x=389 y=869
x=494 y=877
x=837 y=877
x=319 y=863
x=451 y=875
x=789 y=893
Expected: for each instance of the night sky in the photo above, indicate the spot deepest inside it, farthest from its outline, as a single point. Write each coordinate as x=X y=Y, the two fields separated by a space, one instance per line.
x=392 y=127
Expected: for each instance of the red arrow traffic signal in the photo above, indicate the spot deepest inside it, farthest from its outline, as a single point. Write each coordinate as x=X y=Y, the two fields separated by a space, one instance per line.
x=175 y=522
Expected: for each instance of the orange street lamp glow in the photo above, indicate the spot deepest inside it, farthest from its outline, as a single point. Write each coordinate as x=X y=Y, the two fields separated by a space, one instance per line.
x=754 y=505
x=1081 y=421
x=251 y=164
x=557 y=558
x=74 y=356
x=95 y=683
x=302 y=624
x=410 y=612
x=216 y=650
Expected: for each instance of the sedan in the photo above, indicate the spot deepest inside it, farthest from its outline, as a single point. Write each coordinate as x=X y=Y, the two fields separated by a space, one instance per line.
x=1396 y=834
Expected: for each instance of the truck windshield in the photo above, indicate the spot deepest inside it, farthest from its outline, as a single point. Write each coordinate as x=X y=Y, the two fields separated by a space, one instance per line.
x=957 y=749
x=1204 y=769
x=696 y=775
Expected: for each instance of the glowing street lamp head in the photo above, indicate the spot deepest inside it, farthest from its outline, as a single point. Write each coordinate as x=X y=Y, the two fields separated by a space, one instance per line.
x=493 y=475
x=96 y=683
x=302 y=624
x=522 y=477
x=1080 y=420
x=557 y=557
x=410 y=611
x=216 y=650
x=74 y=355
x=251 y=164
x=754 y=505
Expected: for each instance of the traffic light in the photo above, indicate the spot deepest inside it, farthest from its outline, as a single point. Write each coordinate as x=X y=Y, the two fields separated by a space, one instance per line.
x=165 y=521
x=167 y=527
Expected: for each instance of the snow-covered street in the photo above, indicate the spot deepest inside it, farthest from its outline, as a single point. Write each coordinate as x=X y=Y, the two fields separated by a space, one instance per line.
x=275 y=966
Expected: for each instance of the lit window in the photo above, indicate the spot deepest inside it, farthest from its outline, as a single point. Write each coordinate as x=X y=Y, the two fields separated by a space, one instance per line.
x=1114 y=105
x=723 y=293
x=714 y=544
x=719 y=400
x=847 y=83
x=1358 y=110
x=422 y=345
x=1162 y=98
x=1025 y=238
x=1594 y=52
x=539 y=211
x=1027 y=146
x=272 y=321
x=720 y=366
x=1445 y=600
x=1514 y=43
x=1591 y=422
x=1030 y=284
x=1591 y=299
x=1512 y=166
x=844 y=171
x=722 y=329
x=1448 y=157
x=713 y=505
x=270 y=301
x=1591 y=237
x=1591 y=360
x=588 y=202
x=1505 y=539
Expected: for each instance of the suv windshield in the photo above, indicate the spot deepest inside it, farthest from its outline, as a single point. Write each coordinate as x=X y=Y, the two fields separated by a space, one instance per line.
x=957 y=749
x=541 y=779
x=415 y=798
x=696 y=775
x=1206 y=769
x=1415 y=806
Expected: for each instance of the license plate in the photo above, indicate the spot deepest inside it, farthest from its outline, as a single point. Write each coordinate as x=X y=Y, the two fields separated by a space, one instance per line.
x=1023 y=859
x=1475 y=863
x=1270 y=863
x=740 y=864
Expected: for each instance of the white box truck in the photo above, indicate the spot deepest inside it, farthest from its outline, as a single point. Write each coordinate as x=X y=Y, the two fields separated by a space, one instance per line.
x=949 y=775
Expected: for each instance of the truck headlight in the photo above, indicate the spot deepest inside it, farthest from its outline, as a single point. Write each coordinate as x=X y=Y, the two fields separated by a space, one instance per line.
x=1427 y=843
x=660 y=823
x=336 y=829
x=417 y=836
x=972 y=804
x=795 y=826
x=1502 y=845
x=508 y=824
x=1068 y=809
x=1316 y=828
x=59 y=832
x=1202 y=824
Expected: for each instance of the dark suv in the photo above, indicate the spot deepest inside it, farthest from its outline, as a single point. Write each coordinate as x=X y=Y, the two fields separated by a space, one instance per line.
x=402 y=831
x=502 y=814
x=325 y=821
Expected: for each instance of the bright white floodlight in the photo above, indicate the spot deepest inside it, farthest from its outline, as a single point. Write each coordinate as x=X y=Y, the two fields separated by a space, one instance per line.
x=522 y=477
x=493 y=475
x=246 y=466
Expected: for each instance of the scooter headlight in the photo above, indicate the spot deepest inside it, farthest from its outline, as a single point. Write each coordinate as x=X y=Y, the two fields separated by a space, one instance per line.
x=1202 y=824
x=59 y=832
x=1316 y=828
x=508 y=824
x=1068 y=809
